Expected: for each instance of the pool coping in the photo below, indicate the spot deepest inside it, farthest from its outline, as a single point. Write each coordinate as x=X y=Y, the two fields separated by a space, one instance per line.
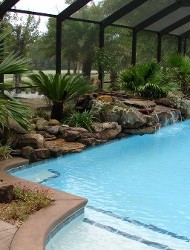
x=33 y=233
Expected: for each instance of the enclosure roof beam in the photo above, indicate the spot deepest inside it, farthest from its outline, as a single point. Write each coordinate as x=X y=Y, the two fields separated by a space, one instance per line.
x=156 y=17
x=185 y=34
x=32 y=13
x=6 y=6
x=71 y=9
x=175 y=25
x=122 y=12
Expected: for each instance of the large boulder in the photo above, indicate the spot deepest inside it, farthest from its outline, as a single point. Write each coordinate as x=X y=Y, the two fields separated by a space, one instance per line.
x=132 y=118
x=33 y=140
x=28 y=153
x=6 y=193
x=42 y=153
x=65 y=147
x=106 y=130
x=54 y=130
x=41 y=124
x=141 y=131
x=127 y=117
x=16 y=127
x=180 y=103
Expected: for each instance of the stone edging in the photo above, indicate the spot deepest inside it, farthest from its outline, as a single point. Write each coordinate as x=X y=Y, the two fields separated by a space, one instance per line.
x=34 y=233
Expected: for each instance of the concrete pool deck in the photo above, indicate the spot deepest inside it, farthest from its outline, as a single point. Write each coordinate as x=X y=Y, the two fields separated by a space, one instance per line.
x=34 y=232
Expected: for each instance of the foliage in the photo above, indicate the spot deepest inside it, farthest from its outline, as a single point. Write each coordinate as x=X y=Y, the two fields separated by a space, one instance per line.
x=5 y=152
x=26 y=202
x=83 y=120
x=180 y=66
x=41 y=114
x=10 y=107
x=60 y=89
x=147 y=80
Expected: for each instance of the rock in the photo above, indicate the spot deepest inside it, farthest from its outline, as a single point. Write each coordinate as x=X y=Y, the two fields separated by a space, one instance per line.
x=63 y=128
x=55 y=151
x=54 y=122
x=140 y=103
x=54 y=130
x=28 y=153
x=41 y=124
x=127 y=117
x=16 y=152
x=181 y=104
x=91 y=141
x=80 y=130
x=42 y=153
x=66 y=147
x=106 y=130
x=6 y=193
x=71 y=135
x=46 y=135
x=84 y=103
x=132 y=118
x=105 y=98
x=166 y=115
x=16 y=127
x=164 y=102
x=33 y=140
x=142 y=131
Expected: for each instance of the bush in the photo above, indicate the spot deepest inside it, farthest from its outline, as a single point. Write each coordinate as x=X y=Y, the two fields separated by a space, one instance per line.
x=83 y=120
x=147 y=80
x=5 y=152
x=26 y=202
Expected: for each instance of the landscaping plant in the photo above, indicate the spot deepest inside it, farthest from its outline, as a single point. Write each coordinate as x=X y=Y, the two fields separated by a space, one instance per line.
x=10 y=107
x=5 y=151
x=180 y=66
x=26 y=201
x=83 y=120
x=148 y=80
x=60 y=89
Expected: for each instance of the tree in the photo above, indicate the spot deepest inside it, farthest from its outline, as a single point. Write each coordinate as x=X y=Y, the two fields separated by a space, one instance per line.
x=59 y=89
x=22 y=34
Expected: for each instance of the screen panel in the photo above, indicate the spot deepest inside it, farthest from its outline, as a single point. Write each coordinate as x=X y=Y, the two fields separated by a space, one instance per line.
x=143 y=12
x=169 y=19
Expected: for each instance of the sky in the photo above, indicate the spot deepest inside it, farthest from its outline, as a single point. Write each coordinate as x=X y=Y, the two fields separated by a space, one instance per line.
x=45 y=6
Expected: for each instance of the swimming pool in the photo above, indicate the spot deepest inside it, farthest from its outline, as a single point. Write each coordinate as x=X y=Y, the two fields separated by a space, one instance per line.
x=140 y=181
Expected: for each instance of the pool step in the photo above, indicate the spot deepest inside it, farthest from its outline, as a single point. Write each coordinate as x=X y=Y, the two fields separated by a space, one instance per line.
x=135 y=230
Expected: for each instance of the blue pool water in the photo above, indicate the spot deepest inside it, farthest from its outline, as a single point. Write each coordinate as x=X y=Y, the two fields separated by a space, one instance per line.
x=145 y=178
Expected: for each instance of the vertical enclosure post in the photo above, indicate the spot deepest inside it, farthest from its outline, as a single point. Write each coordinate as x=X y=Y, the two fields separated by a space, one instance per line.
x=180 y=41
x=101 y=46
x=58 y=45
x=134 y=47
x=185 y=46
x=1 y=48
x=159 y=47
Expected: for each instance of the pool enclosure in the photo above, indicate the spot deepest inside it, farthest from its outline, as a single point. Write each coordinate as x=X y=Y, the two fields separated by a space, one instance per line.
x=153 y=22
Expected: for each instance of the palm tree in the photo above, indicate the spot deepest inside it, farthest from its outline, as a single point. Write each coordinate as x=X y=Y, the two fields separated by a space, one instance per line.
x=59 y=89
x=10 y=107
x=181 y=69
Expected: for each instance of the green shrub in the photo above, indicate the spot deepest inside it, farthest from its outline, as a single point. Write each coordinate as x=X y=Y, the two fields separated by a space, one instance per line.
x=147 y=80
x=41 y=114
x=180 y=66
x=83 y=120
x=5 y=152
x=26 y=201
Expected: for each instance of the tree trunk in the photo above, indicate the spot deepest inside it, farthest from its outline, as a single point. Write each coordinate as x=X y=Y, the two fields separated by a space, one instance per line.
x=86 y=67
x=68 y=67
x=17 y=79
x=74 y=68
x=57 y=111
x=113 y=78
